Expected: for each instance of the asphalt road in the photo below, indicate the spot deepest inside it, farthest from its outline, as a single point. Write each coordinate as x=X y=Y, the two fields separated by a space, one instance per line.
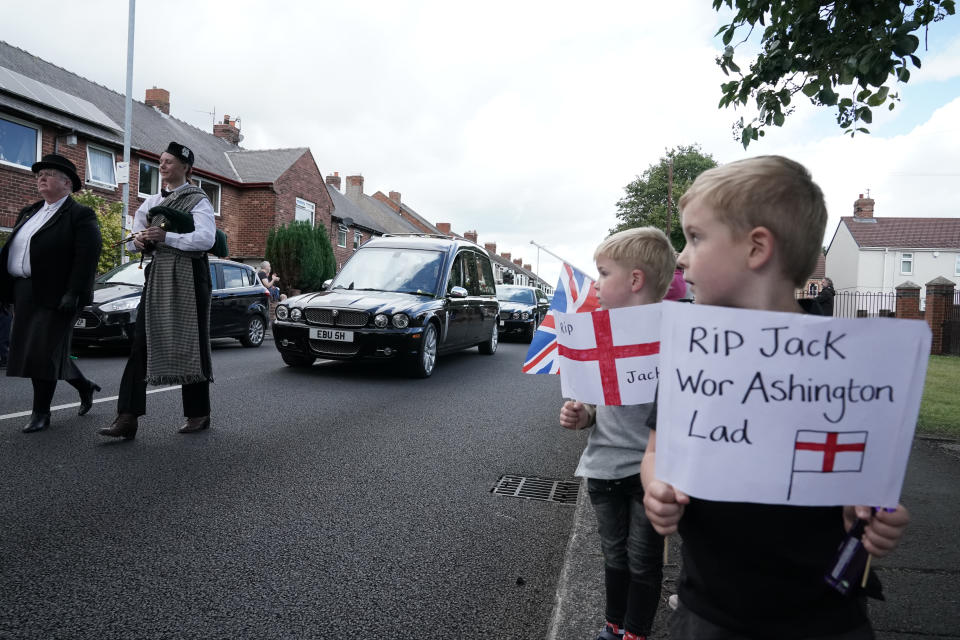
x=333 y=502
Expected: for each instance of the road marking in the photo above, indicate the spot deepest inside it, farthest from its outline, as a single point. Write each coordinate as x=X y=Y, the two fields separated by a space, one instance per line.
x=60 y=407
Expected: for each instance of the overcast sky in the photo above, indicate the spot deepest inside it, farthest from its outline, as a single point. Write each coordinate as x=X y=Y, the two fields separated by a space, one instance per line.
x=520 y=120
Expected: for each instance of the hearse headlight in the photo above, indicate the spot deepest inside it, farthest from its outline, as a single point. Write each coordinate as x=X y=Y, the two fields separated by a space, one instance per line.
x=525 y=315
x=380 y=321
x=282 y=312
x=296 y=314
x=515 y=315
x=401 y=321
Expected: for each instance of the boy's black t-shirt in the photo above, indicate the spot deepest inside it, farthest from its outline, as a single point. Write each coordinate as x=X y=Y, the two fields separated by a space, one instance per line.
x=759 y=569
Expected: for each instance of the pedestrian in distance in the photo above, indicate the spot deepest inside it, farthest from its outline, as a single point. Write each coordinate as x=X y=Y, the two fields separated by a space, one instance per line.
x=825 y=297
x=635 y=267
x=270 y=280
x=753 y=230
x=171 y=343
x=47 y=269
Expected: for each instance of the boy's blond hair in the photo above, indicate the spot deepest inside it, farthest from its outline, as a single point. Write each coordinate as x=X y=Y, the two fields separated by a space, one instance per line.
x=772 y=192
x=644 y=248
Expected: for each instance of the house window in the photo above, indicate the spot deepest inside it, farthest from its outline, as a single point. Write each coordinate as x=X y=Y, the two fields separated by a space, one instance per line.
x=19 y=142
x=149 y=183
x=305 y=211
x=956 y=270
x=341 y=235
x=906 y=264
x=212 y=189
x=100 y=166
x=357 y=239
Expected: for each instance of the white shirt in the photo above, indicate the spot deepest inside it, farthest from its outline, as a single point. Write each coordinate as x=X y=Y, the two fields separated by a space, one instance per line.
x=200 y=239
x=18 y=259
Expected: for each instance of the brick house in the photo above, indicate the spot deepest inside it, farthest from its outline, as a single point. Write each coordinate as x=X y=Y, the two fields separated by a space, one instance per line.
x=46 y=109
x=877 y=255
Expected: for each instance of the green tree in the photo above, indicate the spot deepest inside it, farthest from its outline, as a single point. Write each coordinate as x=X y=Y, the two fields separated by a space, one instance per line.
x=108 y=215
x=301 y=254
x=859 y=47
x=645 y=202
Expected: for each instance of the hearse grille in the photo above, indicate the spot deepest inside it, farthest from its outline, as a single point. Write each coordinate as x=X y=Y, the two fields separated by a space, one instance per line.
x=336 y=317
x=333 y=348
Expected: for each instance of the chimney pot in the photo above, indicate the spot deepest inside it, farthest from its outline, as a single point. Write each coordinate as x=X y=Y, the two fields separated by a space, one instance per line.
x=159 y=99
x=491 y=247
x=395 y=196
x=355 y=187
x=863 y=207
x=505 y=255
x=444 y=227
x=518 y=262
x=334 y=180
x=471 y=236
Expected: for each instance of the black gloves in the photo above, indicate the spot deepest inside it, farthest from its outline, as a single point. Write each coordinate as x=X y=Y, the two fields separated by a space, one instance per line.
x=68 y=303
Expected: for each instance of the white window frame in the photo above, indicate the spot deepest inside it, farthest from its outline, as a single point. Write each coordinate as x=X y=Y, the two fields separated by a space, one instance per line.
x=357 y=239
x=956 y=270
x=307 y=206
x=342 y=235
x=140 y=192
x=113 y=165
x=906 y=257
x=28 y=125
x=198 y=181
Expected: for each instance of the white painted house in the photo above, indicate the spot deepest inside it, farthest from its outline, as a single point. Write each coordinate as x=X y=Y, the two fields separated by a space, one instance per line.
x=875 y=255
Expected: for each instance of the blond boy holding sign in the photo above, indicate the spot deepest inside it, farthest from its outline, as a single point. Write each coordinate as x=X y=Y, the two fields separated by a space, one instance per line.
x=635 y=268
x=753 y=231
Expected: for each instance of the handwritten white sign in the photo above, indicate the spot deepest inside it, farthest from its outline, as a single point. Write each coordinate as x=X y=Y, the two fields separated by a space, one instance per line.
x=610 y=357
x=784 y=408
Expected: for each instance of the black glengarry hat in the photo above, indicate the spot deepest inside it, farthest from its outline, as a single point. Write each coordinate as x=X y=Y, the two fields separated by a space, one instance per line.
x=181 y=152
x=58 y=162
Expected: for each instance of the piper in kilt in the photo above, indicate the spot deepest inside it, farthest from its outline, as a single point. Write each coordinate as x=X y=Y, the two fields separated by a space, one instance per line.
x=171 y=343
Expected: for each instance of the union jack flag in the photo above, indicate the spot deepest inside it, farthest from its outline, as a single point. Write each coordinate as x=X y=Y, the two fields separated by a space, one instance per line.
x=574 y=294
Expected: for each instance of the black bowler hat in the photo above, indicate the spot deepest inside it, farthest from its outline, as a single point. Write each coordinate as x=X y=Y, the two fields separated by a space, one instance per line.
x=180 y=152
x=58 y=162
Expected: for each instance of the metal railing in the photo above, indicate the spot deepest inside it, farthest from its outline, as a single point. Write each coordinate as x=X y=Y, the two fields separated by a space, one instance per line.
x=860 y=304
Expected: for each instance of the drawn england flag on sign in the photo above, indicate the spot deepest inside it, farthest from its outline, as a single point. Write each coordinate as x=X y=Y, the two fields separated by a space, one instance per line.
x=827 y=452
x=610 y=357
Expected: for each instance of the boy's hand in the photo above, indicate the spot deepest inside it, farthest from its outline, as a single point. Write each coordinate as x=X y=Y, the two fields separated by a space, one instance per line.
x=884 y=528
x=664 y=506
x=573 y=415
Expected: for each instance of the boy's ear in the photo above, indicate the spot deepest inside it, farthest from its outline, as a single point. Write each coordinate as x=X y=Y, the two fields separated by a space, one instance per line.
x=637 y=279
x=761 y=247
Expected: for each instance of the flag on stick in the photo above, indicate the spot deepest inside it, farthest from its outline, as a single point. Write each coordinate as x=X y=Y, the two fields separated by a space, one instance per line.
x=574 y=294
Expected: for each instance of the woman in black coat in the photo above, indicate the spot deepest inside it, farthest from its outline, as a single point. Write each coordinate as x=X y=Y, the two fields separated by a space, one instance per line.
x=47 y=269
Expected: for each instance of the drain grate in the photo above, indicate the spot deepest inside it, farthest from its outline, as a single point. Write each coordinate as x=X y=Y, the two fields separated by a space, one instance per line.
x=562 y=491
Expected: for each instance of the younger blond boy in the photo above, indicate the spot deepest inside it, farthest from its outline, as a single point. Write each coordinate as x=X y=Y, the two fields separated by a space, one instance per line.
x=753 y=231
x=635 y=267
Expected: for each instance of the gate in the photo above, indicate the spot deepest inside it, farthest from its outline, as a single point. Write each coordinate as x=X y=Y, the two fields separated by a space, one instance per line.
x=951 y=328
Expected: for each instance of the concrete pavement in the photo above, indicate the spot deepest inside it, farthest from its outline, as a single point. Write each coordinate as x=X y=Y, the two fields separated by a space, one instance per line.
x=921 y=578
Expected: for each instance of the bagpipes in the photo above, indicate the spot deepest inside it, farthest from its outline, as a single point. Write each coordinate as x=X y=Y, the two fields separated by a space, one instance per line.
x=176 y=221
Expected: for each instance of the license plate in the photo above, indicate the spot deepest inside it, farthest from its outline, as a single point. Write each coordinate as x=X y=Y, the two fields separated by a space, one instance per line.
x=502 y=323
x=331 y=334
x=81 y=323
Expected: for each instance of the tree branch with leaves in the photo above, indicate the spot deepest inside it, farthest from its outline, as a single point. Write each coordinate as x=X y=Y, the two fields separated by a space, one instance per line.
x=847 y=55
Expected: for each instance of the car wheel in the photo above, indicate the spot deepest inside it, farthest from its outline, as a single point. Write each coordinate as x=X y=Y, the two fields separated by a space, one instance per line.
x=297 y=360
x=426 y=357
x=256 y=330
x=489 y=347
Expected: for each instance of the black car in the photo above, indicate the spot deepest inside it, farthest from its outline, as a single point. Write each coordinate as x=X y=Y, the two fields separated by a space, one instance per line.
x=521 y=309
x=240 y=306
x=399 y=296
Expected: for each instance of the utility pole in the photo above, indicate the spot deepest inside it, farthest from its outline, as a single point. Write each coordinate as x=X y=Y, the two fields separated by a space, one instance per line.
x=127 y=125
x=669 y=198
